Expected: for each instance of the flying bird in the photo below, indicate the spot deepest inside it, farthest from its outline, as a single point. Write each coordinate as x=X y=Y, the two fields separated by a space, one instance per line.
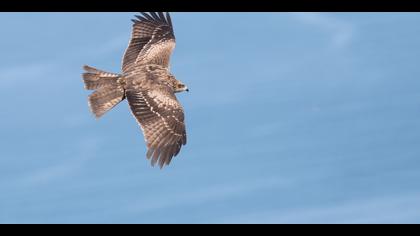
x=148 y=86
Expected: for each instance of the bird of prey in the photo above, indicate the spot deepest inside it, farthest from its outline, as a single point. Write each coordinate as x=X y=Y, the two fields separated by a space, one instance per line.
x=148 y=86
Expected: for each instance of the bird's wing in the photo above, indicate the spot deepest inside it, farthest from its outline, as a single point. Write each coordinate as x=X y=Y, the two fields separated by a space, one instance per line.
x=152 y=41
x=161 y=118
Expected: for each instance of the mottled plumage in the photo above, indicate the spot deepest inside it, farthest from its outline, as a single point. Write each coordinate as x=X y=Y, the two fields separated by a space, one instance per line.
x=152 y=41
x=148 y=86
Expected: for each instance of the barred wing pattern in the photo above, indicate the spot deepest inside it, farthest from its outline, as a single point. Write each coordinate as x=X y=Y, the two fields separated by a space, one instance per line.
x=161 y=118
x=152 y=41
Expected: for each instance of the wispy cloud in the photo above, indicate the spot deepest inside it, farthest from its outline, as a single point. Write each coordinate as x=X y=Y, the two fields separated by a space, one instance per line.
x=206 y=194
x=111 y=45
x=342 y=32
x=11 y=76
x=389 y=209
x=87 y=148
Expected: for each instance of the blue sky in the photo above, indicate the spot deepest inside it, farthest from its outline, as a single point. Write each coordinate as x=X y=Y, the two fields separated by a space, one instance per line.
x=291 y=118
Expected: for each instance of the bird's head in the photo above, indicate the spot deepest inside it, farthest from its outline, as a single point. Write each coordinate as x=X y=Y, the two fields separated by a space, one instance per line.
x=180 y=87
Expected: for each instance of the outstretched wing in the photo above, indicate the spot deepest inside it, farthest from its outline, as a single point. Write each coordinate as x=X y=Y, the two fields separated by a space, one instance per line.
x=161 y=118
x=152 y=41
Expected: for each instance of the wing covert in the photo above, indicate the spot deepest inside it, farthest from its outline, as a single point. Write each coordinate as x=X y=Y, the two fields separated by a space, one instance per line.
x=161 y=118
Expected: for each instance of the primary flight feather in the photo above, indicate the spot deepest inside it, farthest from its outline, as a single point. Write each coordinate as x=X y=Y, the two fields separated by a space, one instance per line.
x=148 y=86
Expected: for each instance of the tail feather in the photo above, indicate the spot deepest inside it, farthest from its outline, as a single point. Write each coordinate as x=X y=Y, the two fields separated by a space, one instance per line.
x=108 y=92
x=95 y=79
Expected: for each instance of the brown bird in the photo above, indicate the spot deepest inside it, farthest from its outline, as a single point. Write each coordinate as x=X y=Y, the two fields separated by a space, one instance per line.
x=148 y=85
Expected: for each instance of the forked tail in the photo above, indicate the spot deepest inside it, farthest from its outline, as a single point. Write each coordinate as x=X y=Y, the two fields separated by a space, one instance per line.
x=108 y=91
